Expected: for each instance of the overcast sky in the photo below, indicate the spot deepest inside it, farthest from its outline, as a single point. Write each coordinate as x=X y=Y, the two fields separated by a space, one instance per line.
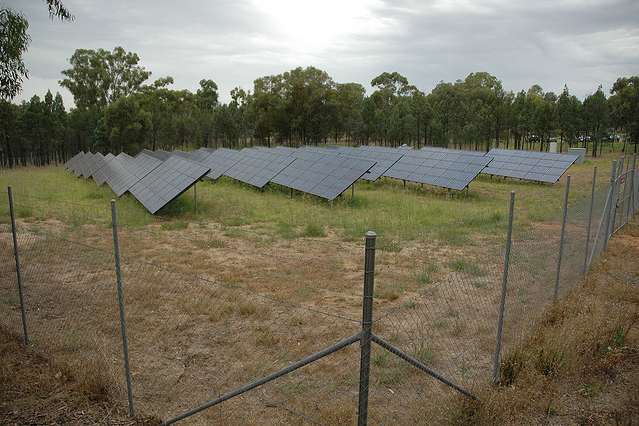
x=581 y=43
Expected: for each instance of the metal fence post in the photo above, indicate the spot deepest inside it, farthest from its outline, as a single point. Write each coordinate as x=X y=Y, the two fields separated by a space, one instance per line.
x=125 y=341
x=561 y=238
x=367 y=323
x=504 y=288
x=609 y=213
x=588 y=230
x=16 y=255
x=631 y=194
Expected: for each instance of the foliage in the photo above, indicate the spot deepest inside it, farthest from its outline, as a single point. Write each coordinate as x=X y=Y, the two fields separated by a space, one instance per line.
x=14 y=40
x=13 y=43
x=116 y=109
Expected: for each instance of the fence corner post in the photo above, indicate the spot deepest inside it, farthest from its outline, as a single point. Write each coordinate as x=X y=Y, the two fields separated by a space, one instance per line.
x=367 y=323
x=504 y=289
x=561 y=238
x=16 y=255
x=125 y=341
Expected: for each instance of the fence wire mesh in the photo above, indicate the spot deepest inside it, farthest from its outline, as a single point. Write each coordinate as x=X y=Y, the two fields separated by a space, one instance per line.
x=198 y=329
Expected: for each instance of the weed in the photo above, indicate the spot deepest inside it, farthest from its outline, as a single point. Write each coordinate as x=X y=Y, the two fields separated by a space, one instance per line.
x=314 y=230
x=465 y=266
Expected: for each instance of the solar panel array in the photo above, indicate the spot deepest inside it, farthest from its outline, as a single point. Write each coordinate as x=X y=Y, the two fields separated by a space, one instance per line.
x=166 y=182
x=528 y=165
x=219 y=161
x=258 y=167
x=157 y=177
x=321 y=174
x=452 y=170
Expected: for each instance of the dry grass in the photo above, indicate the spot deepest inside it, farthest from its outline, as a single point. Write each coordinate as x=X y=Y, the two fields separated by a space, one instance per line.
x=34 y=390
x=581 y=365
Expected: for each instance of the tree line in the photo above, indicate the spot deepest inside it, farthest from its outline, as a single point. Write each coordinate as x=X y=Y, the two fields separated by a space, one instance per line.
x=118 y=108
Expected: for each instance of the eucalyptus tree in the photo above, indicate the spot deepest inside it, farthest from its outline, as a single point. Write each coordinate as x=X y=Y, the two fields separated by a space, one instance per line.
x=597 y=116
x=624 y=104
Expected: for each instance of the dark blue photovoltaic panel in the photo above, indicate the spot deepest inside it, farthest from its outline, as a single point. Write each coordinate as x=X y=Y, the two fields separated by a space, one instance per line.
x=158 y=154
x=462 y=151
x=219 y=161
x=258 y=166
x=166 y=182
x=284 y=150
x=322 y=174
x=447 y=169
x=100 y=175
x=527 y=165
x=69 y=165
x=73 y=164
x=94 y=164
x=85 y=164
x=125 y=171
x=383 y=159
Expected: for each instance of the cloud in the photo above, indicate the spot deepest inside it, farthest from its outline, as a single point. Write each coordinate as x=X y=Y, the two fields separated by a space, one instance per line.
x=581 y=43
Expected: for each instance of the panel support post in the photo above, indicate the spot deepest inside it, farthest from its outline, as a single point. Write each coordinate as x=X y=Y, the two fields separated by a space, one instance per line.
x=367 y=324
x=589 y=228
x=504 y=289
x=125 y=341
x=16 y=255
x=561 y=238
x=611 y=207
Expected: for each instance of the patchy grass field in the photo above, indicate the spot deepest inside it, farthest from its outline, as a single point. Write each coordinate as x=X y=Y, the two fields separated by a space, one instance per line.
x=255 y=280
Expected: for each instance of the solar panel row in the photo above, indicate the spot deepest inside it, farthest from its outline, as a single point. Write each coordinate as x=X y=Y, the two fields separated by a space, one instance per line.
x=453 y=170
x=157 y=177
x=528 y=165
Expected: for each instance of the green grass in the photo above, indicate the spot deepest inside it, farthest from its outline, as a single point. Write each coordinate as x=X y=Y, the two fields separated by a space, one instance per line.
x=425 y=275
x=398 y=215
x=314 y=230
x=466 y=266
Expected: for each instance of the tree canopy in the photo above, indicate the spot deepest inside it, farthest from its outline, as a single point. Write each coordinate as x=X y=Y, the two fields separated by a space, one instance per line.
x=118 y=109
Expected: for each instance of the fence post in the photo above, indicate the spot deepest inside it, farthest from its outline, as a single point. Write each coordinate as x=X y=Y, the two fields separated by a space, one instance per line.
x=504 y=288
x=588 y=230
x=561 y=238
x=367 y=323
x=631 y=194
x=609 y=213
x=16 y=255
x=125 y=341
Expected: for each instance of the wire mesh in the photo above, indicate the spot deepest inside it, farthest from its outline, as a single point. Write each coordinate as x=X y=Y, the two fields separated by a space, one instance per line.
x=202 y=320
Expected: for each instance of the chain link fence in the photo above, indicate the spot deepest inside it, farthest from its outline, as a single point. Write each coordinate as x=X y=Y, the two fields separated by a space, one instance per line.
x=196 y=341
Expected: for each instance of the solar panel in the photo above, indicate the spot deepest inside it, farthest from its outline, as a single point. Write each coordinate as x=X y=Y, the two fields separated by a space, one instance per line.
x=257 y=166
x=527 y=165
x=69 y=164
x=84 y=164
x=100 y=175
x=166 y=182
x=219 y=161
x=158 y=154
x=94 y=164
x=384 y=160
x=453 y=170
x=72 y=163
x=125 y=171
x=284 y=150
x=322 y=174
x=463 y=151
